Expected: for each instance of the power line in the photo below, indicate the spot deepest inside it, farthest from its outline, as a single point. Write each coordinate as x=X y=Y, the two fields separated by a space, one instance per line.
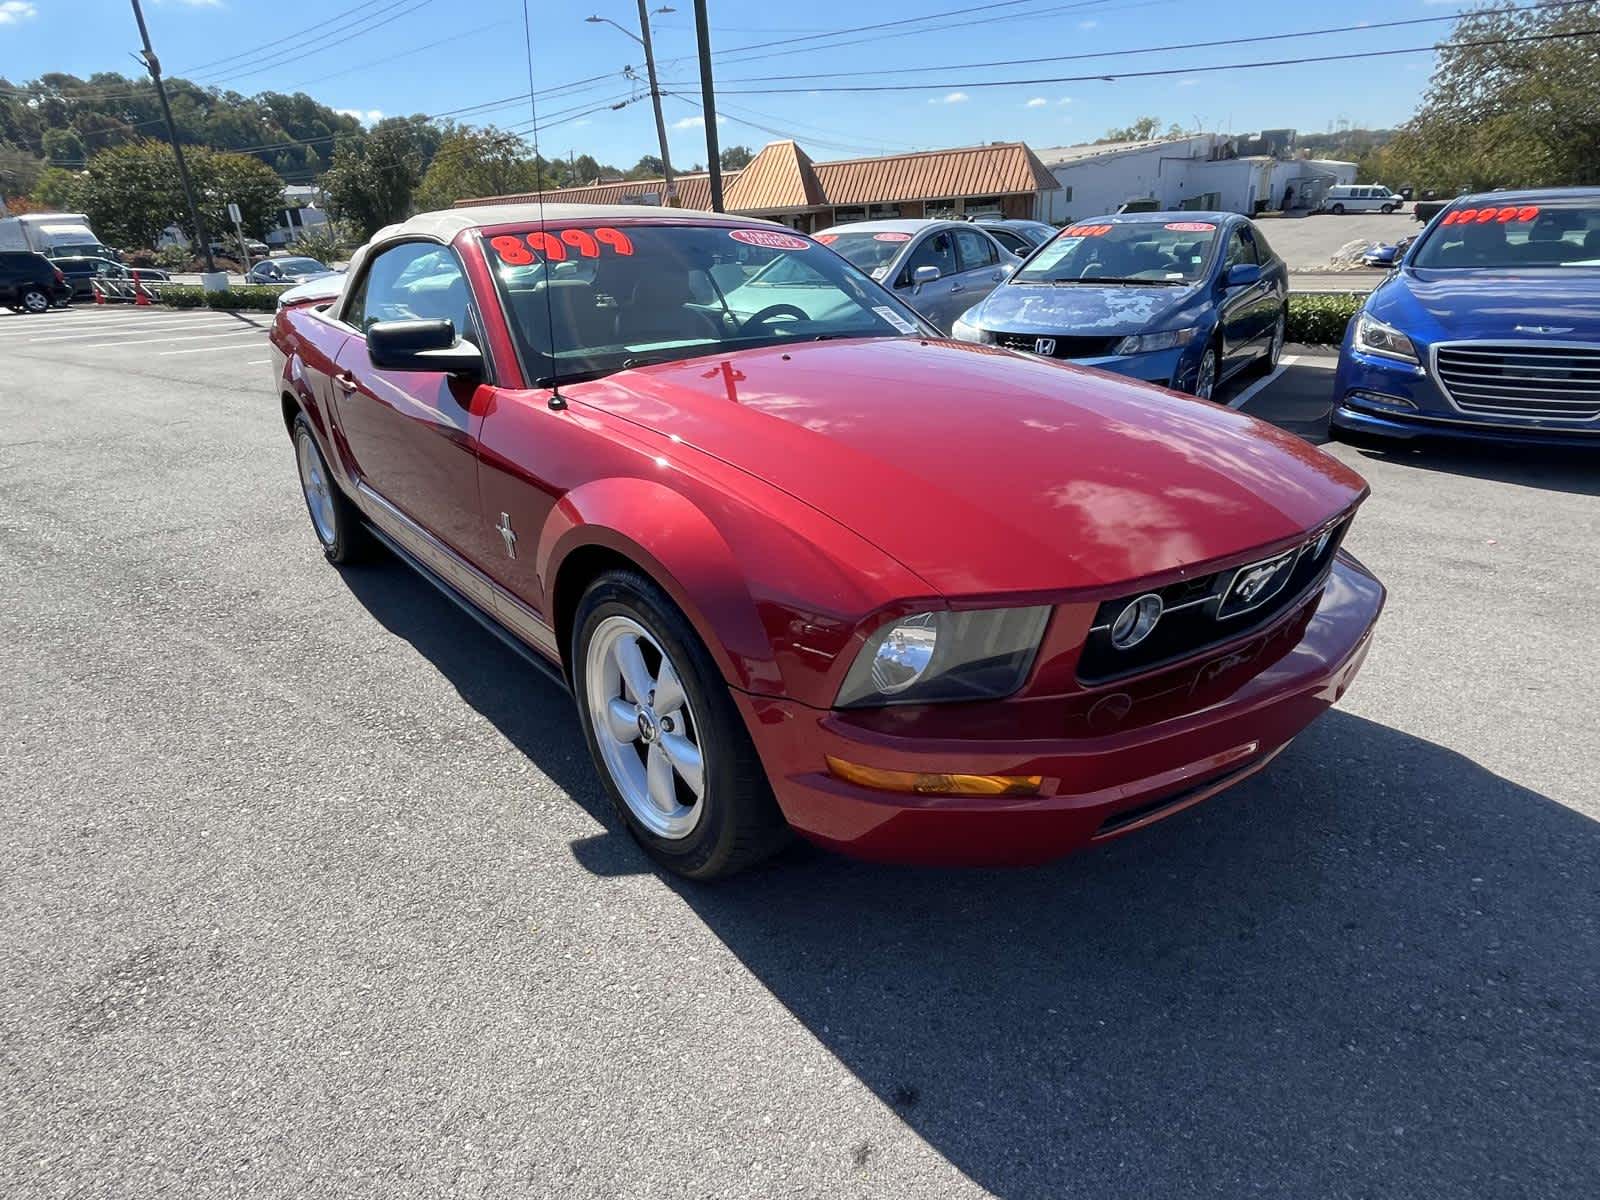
x=1150 y=74
x=324 y=43
x=1363 y=27
x=310 y=30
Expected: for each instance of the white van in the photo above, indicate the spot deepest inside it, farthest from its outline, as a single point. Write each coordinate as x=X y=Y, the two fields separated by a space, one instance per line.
x=1362 y=197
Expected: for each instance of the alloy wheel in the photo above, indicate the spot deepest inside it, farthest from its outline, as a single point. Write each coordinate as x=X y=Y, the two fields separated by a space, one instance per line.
x=1280 y=331
x=1206 y=379
x=317 y=487
x=35 y=302
x=645 y=728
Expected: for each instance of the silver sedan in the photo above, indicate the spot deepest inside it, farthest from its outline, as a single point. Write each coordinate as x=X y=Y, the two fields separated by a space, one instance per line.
x=939 y=268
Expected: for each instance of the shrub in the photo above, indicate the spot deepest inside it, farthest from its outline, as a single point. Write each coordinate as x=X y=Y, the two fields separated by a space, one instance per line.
x=251 y=299
x=1319 y=319
x=173 y=258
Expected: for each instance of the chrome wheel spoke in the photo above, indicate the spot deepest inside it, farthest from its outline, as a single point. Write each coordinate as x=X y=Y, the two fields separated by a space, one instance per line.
x=669 y=697
x=634 y=673
x=659 y=779
x=684 y=756
x=622 y=720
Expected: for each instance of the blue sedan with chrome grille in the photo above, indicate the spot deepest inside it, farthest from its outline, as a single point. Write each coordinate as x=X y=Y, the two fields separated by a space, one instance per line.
x=1183 y=299
x=1489 y=329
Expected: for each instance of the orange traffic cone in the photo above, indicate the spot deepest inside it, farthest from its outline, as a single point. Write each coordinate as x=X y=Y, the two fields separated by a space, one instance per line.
x=140 y=299
x=99 y=293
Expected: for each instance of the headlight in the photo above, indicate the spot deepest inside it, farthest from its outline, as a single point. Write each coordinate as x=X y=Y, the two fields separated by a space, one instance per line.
x=1145 y=343
x=963 y=332
x=943 y=656
x=1374 y=337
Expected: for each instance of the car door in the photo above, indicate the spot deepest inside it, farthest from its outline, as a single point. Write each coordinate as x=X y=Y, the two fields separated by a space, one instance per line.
x=412 y=436
x=982 y=269
x=933 y=300
x=1238 y=303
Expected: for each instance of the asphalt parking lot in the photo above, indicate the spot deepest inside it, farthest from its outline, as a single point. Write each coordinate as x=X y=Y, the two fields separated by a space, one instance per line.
x=309 y=888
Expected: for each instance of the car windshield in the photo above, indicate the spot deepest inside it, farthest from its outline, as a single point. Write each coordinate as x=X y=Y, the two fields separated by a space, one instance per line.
x=869 y=250
x=583 y=301
x=1140 y=251
x=299 y=265
x=1513 y=235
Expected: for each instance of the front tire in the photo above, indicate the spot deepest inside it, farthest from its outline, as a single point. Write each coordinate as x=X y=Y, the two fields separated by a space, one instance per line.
x=335 y=521
x=1280 y=333
x=1337 y=210
x=1386 y=209
x=1205 y=375
x=669 y=743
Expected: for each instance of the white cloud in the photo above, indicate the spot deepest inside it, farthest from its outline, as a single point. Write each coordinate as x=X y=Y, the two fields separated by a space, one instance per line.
x=12 y=11
x=1190 y=82
x=696 y=122
x=1065 y=100
x=368 y=116
x=1096 y=24
x=1038 y=102
x=951 y=98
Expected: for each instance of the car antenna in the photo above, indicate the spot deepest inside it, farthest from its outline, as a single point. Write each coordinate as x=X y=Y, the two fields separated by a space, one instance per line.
x=557 y=401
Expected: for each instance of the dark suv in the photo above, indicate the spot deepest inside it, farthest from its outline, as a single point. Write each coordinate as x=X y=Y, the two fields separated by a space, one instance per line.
x=31 y=282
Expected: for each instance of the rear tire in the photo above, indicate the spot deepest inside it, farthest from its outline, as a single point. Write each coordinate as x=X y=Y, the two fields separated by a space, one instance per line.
x=1280 y=333
x=335 y=521
x=35 y=301
x=680 y=769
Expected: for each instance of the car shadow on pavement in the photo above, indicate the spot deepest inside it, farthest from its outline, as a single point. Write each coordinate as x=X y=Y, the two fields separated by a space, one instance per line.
x=1553 y=469
x=1372 y=970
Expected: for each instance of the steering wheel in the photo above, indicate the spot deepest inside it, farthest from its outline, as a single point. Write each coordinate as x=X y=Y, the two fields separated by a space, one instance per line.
x=771 y=311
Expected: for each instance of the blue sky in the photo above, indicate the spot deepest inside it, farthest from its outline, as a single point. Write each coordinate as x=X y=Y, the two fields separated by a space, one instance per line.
x=431 y=56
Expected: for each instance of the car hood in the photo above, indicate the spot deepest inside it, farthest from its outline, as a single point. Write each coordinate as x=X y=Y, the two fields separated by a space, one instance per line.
x=990 y=472
x=1082 y=309
x=1559 y=303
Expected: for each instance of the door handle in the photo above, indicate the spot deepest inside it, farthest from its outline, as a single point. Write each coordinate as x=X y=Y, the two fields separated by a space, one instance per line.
x=346 y=381
x=954 y=286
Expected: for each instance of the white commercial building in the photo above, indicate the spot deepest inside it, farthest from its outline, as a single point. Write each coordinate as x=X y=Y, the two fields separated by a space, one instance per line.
x=1187 y=171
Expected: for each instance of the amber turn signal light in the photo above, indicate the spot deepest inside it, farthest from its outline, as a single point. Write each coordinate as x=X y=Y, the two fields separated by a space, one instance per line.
x=931 y=784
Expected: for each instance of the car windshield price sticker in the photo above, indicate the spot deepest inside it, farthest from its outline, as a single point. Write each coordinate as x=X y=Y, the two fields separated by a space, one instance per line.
x=1190 y=227
x=891 y=237
x=1086 y=231
x=1484 y=216
x=827 y=239
x=559 y=245
x=894 y=318
x=770 y=239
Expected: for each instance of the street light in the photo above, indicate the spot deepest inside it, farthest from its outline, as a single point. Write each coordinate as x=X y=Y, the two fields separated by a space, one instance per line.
x=643 y=38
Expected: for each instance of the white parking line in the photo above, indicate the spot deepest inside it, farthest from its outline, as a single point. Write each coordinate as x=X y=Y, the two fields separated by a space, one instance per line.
x=85 y=324
x=1315 y=361
x=170 y=338
x=172 y=330
x=199 y=350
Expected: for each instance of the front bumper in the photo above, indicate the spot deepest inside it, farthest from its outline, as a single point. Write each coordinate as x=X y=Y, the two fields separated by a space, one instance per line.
x=1381 y=398
x=1098 y=785
x=1169 y=368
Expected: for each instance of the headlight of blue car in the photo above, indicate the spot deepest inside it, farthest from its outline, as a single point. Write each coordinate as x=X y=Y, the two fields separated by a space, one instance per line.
x=962 y=332
x=1146 y=343
x=1375 y=337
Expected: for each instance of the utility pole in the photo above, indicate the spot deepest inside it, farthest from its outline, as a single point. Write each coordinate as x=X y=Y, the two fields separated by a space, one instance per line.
x=708 y=103
x=671 y=188
x=154 y=65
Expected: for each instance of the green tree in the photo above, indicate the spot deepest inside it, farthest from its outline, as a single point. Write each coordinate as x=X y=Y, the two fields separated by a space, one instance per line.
x=1506 y=114
x=132 y=193
x=59 y=191
x=63 y=147
x=736 y=158
x=372 y=179
x=19 y=171
x=1141 y=130
x=220 y=178
x=475 y=163
x=648 y=167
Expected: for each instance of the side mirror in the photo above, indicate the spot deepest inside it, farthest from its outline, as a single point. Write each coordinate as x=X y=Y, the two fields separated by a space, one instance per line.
x=421 y=346
x=924 y=275
x=1241 y=275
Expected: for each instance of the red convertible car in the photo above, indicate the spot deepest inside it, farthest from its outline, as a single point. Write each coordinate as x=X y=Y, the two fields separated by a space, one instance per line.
x=805 y=565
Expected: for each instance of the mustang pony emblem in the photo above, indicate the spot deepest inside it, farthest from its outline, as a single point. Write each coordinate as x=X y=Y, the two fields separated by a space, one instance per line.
x=1254 y=581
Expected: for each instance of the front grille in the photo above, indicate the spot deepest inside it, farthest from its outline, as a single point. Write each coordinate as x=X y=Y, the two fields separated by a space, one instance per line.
x=1521 y=379
x=1065 y=347
x=1209 y=609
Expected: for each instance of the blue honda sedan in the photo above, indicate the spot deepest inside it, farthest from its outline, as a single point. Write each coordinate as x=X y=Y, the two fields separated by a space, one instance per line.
x=1183 y=299
x=1489 y=328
